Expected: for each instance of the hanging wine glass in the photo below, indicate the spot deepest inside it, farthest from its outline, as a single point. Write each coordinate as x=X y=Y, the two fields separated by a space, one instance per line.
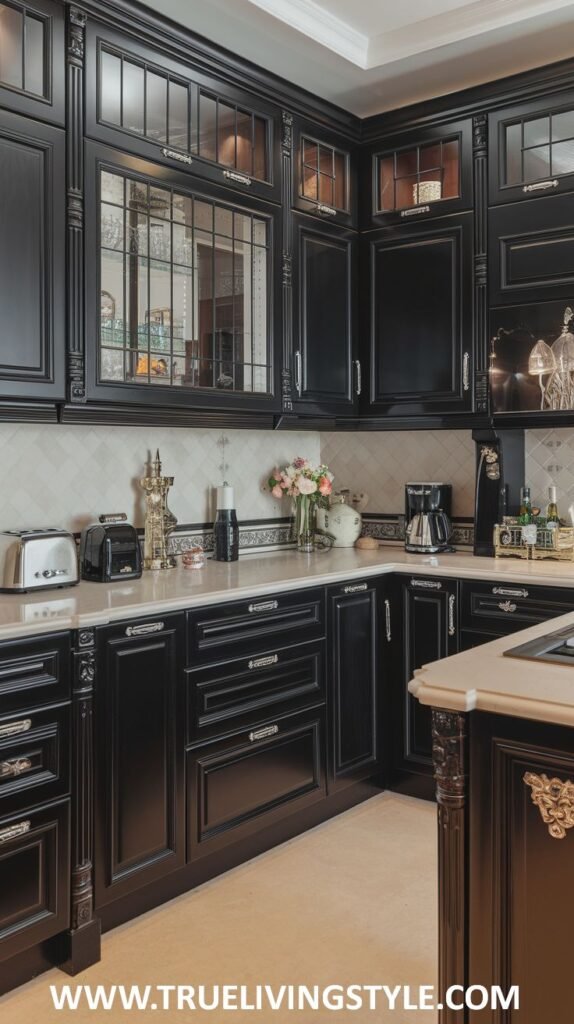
x=541 y=362
x=563 y=352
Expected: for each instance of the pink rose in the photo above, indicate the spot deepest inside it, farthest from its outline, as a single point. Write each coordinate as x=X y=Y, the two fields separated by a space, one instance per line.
x=325 y=486
x=277 y=491
x=299 y=462
x=307 y=486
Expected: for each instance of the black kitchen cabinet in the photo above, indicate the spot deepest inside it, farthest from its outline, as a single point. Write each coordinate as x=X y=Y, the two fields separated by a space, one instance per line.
x=356 y=612
x=169 y=110
x=324 y=174
x=32 y=253
x=32 y=67
x=531 y=252
x=428 y=632
x=183 y=304
x=420 y=306
x=139 y=832
x=328 y=376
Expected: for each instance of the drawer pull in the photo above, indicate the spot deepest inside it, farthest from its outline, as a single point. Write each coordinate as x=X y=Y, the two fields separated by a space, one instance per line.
x=507 y=606
x=264 y=606
x=14 y=728
x=327 y=211
x=148 y=627
x=15 y=766
x=355 y=588
x=243 y=179
x=466 y=372
x=262 y=734
x=270 y=659
x=359 y=377
x=30 y=668
x=451 y=622
x=541 y=186
x=388 y=620
x=173 y=154
x=429 y=584
x=13 y=831
x=509 y=592
x=414 y=210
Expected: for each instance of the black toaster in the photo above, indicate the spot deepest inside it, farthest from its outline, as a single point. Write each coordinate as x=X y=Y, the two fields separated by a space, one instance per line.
x=110 y=550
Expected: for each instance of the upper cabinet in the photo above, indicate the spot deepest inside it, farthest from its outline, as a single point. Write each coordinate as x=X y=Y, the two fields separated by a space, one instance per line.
x=422 y=173
x=324 y=174
x=147 y=103
x=532 y=149
x=32 y=65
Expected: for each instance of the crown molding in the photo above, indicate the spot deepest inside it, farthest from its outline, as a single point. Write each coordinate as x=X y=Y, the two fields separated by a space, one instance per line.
x=314 y=21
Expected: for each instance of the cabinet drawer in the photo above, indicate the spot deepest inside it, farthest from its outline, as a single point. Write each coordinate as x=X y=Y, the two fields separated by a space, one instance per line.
x=34 y=672
x=249 y=781
x=34 y=877
x=237 y=693
x=34 y=758
x=506 y=607
x=245 y=627
x=531 y=251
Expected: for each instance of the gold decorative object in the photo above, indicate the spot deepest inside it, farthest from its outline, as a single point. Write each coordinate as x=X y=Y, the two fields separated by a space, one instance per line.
x=159 y=521
x=556 y=544
x=427 y=192
x=555 y=801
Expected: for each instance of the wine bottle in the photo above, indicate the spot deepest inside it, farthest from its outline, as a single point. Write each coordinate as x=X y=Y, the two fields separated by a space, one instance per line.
x=226 y=527
x=552 y=517
x=525 y=513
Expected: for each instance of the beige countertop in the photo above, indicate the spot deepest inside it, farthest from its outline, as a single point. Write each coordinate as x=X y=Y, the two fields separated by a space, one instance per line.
x=94 y=604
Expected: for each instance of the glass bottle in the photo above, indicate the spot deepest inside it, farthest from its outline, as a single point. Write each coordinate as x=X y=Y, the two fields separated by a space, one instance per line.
x=525 y=513
x=552 y=517
x=225 y=528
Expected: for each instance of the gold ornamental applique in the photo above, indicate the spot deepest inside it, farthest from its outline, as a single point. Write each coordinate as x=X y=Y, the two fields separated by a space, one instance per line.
x=555 y=801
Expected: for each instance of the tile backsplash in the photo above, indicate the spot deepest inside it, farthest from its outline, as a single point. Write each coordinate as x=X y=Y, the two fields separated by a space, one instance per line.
x=549 y=456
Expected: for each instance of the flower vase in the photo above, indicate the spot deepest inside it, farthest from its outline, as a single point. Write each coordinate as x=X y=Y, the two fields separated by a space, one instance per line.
x=304 y=523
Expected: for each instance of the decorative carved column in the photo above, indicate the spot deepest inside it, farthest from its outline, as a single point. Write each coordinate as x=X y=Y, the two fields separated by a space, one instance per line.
x=75 y=194
x=84 y=934
x=479 y=136
x=449 y=757
x=287 y=261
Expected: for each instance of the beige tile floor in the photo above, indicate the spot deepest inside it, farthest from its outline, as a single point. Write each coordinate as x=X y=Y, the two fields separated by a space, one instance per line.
x=350 y=902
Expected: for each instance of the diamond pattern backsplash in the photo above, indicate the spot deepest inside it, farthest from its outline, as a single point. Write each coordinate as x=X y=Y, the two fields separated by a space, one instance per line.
x=381 y=463
x=550 y=460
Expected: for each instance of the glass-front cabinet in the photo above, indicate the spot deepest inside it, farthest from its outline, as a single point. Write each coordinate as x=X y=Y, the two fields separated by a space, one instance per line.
x=532 y=147
x=32 y=58
x=172 y=112
x=183 y=304
x=323 y=174
x=418 y=174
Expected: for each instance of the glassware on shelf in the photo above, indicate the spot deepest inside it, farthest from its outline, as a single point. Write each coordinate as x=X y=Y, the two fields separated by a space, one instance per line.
x=557 y=361
x=541 y=362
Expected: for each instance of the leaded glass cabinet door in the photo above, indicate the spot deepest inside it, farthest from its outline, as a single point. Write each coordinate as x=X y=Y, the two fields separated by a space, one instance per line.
x=182 y=311
x=32 y=63
x=324 y=174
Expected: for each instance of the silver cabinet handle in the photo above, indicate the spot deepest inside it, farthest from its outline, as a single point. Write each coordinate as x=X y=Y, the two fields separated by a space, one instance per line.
x=451 y=622
x=174 y=154
x=507 y=606
x=429 y=584
x=298 y=372
x=355 y=588
x=13 y=728
x=270 y=659
x=262 y=734
x=264 y=606
x=388 y=620
x=327 y=211
x=15 y=766
x=509 y=592
x=414 y=210
x=147 y=627
x=359 y=377
x=541 y=186
x=243 y=179
x=466 y=371
x=13 y=831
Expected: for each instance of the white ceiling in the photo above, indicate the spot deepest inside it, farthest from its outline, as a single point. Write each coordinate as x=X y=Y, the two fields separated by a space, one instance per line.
x=373 y=55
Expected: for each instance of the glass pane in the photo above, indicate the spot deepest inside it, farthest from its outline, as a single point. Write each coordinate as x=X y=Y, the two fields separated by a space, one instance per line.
x=242 y=227
x=207 y=127
x=386 y=183
x=11 y=40
x=536 y=163
x=431 y=157
x=223 y=221
x=259 y=232
x=244 y=142
x=563 y=157
x=182 y=245
x=156 y=110
x=112 y=364
x=159 y=202
x=537 y=132
x=430 y=188
x=111 y=227
x=310 y=184
x=326 y=160
x=137 y=195
x=204 y=256
x=110 y=88
x=181 y=209
x=513 y=154
x=326 y=189
x=259 y=326
x=310 y=153
x=34 y=56
x=112 y=188
x=407 y=192
x=178 y=116
x=202 y=215
x=340 y=200
x=159 y=316
x=260 y=149
x=133 y=93
x=112 y=299
x=406 y=163
x=451 y=169
x=225 y=134
x=182 y=327
x=160 y=239
x=563 y=125
x=137 y=233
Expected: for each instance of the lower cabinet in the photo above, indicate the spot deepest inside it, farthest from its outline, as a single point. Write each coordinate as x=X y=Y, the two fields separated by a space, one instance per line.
x=139 y=755
x=34 y=877
x=237 y=785
x=428 y=632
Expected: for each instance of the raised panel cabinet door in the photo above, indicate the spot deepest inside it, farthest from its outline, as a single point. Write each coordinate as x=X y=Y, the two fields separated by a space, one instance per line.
x=139 y=756
x=327 y=377
x=429 y=633
x=531 y=253
x=353 y=684
x=421 y=348
x=32 y=249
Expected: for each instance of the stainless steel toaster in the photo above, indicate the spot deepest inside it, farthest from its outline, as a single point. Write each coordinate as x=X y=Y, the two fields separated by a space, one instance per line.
x=36 y=559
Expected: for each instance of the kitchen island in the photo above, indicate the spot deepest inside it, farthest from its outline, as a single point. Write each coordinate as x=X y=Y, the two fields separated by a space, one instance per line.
x=503 y=748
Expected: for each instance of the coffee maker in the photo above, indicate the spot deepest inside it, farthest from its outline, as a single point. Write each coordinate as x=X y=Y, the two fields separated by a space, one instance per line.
x=427 y=511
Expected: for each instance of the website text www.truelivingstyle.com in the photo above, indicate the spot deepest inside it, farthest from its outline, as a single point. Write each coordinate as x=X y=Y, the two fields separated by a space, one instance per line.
x=280 y=998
